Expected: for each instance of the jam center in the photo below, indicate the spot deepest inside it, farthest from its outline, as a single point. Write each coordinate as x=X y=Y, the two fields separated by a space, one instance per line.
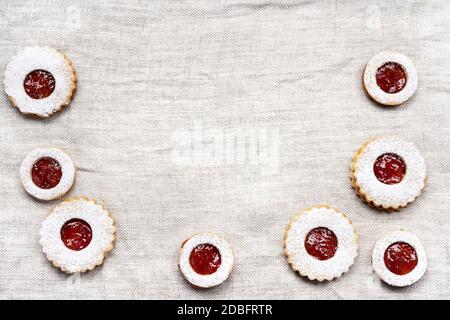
x=76 y=234
x=321 y=243
x=389 y=168
x=400 y=258
x=39 y=84
x=391 y=77
x=46 y=173
x=205 y=259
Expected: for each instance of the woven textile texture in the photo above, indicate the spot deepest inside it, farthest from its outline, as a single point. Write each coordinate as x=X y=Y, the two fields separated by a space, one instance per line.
x=223 y=116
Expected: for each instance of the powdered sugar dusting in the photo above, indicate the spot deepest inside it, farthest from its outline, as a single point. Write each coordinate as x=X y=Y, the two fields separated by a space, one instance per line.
x=393 y=195
x=36 y=58
x=222 y=273
x=103 y=230
x=376 y=92
x=307 y=265
x=380 y=267
x=67 y=178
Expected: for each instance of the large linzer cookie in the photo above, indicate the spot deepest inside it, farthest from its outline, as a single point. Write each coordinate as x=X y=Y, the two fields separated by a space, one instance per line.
x=390 y=78
x=399 y=258
x=40 y=81
x=77 y=234
x=206 y=260
x=388 y=173
x=47 y=173
x=320 y=243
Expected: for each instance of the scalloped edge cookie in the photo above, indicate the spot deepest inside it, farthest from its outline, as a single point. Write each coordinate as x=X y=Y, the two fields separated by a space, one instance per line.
x=103 y=235
x=377 y=194
x=308 y=266
x=35 y=58
x=216 y=278
x=378 y=258
x=375 y=92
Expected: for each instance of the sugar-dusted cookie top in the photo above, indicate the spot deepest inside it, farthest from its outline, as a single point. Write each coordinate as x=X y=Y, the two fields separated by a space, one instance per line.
x=390 y=78
x=321 y=243
x=206 y=260
x=388 y=172
x=47 y=173
x=399 y=258
x=77 y=234
x=40 y=81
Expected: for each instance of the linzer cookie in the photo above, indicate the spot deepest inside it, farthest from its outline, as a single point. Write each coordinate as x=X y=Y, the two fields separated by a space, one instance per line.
x=40 y=81
x=390 y=78
x=77 y=234
x=47 y=173
x=388 y=173
x=399 y=258
x=320 y=243
x=206 y=260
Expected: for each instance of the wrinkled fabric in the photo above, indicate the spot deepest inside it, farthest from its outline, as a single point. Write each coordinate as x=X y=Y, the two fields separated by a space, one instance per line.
x=229 y=117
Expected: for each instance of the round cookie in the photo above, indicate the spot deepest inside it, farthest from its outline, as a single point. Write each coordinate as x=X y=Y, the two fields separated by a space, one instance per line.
x=40 y=81
x=388 y=172
x=47 y=173
x=399 y=258
x=77 y=235
x=320 y=243
x=390 y=78
x=206 y=260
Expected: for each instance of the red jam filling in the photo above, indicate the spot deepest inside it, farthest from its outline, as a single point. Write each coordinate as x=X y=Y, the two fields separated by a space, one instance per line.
x=76 y=234
x=46 y=173
x=400 y=258
x=389 y=168
x=321 y=243
x=391 y=77
x=205 y=259
x=39 y=84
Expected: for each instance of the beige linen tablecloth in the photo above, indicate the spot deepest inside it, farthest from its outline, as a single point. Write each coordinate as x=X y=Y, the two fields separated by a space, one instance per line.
x=223 y=116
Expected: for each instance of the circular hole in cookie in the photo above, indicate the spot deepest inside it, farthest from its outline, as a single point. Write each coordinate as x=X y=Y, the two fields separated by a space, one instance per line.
x=205 y=259
x=391 y=77
x=39 y=84
x=321 y=243
x=46 y=173
x=389 y=168
x=76 y=234
x=400 y=258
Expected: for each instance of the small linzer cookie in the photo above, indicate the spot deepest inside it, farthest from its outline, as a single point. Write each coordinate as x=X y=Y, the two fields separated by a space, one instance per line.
x=206 y=260
x=40 y=81
x=77 y=234
x=320 y=243
x=390 y=78
x=388 y=173
x=47 y=173
x=399 y=258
